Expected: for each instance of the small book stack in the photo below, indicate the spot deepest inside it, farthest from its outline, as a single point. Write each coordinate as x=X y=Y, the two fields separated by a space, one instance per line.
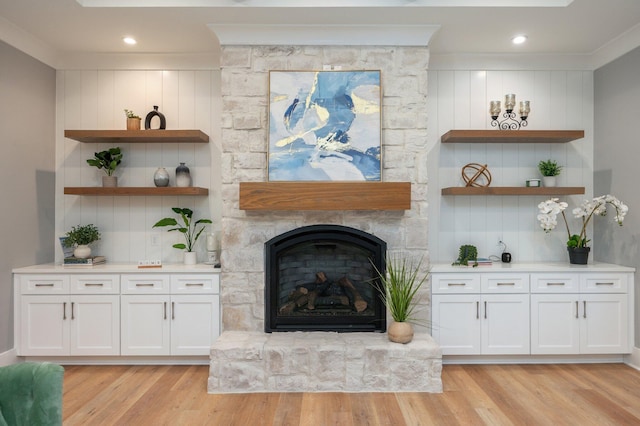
x=481 y=261
x=90 y=261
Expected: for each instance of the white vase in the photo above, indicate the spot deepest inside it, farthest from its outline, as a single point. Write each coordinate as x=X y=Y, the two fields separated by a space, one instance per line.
x=190 y=257
x=161 y=177
x=110 y=181
x=549 y=181
x=83 y=251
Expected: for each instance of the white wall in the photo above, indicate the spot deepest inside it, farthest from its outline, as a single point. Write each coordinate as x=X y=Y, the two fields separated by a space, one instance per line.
x=617 y=149
x=26 y=172
x=95 y=99
x=560 y=100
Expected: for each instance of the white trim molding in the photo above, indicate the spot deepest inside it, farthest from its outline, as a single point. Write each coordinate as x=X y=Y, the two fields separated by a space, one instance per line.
x=9 y=357
x=633 y=359
x=323 y=35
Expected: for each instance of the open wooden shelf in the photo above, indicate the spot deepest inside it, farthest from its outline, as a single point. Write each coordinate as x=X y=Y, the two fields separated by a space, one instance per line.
x=325 y=196
x=137 y=136
x=511 y=136
x=133 y=190
x=513 y=190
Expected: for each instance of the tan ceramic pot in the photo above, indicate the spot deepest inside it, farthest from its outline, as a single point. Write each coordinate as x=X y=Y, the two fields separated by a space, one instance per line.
x=400 y=332
x=133 y=123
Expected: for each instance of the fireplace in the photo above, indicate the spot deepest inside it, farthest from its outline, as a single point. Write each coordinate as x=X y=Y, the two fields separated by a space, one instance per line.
x=322 y=278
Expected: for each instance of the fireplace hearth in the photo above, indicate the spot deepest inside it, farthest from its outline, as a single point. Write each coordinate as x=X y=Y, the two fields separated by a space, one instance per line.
x=322 y=278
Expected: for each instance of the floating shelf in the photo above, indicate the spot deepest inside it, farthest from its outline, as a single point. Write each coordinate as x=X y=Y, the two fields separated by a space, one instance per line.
x=132 y=190
x=137 y=136
x=513 y=190
x=511 y=136
x=325 y=196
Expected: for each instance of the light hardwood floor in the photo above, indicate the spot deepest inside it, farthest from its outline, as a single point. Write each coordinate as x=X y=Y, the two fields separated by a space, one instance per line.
x=568 y=394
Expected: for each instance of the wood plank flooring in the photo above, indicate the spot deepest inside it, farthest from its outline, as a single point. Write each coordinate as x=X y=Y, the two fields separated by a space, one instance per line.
x=565 y=394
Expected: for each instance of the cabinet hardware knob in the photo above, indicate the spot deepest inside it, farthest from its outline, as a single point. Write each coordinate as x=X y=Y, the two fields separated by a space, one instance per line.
x=456 y=284
x=485 y=309
x=477 y=310
x=173 y=310
x=194 y=284
x=555 y=283
x=584 y=314
x=45 y=285
x=604 y=283
x=165 y=310
x=144 y=284
x=506 y=283
x=64 y=311
x=93 y=284
x=577 y=316
x=72 y=314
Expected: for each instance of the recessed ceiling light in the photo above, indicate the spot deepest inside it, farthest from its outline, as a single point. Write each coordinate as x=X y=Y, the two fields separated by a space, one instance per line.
x=129 y=40
x=519 y=39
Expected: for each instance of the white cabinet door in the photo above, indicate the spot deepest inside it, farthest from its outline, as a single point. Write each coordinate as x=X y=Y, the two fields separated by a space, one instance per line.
x=604 y=324
x=44 y=328
x=194 y=323
x=456 y=323
x=95 y=325
x=145 y=325
x=555 y=324
x=505 y=324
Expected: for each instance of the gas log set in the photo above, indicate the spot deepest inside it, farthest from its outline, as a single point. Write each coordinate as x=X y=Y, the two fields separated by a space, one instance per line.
x=324 y=294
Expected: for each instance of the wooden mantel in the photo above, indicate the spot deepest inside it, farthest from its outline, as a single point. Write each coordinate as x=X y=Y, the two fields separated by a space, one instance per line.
x=325 y=196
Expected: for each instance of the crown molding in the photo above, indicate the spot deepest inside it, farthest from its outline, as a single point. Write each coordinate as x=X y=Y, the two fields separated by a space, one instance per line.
x=324 y=35
x=140 y=61
x=24 y=41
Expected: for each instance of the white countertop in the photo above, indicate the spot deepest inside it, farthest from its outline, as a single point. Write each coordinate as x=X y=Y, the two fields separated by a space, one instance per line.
x=115 y=268
x=531 y=267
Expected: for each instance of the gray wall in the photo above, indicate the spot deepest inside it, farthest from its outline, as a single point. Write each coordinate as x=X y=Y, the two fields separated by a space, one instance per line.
x=27 y=175
x=616 y=165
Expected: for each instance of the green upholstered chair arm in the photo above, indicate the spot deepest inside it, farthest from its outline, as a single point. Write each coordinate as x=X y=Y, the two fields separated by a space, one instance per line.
x=31 y=394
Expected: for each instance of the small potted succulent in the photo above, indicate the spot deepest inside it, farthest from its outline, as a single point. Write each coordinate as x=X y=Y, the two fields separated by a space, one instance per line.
x=108 y=161
x=549 y=169
x=80 y=237
x=133 y=120
x=189 y=228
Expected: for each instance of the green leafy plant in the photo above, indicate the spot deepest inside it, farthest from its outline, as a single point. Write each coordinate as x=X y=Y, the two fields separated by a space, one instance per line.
x=82 y=235
x=549 y=168
x=189 y=227
x=108 y=160
x=467 y=253
x=399 y=287
x=131 y=114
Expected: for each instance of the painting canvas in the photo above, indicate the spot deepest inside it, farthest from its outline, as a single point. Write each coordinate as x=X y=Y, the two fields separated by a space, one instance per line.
x=324 y=126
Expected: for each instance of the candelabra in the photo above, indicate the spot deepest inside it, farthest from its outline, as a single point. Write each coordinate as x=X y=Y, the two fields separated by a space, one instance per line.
x=510 y=121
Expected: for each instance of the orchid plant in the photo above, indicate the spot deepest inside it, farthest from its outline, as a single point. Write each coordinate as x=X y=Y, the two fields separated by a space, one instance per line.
x=550 y=209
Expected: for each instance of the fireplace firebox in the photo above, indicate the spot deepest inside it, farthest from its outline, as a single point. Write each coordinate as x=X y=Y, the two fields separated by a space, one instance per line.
x=322 y=278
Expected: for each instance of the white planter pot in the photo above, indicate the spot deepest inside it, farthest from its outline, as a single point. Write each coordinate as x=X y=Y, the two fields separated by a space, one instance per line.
x=549 y=181
x=82 y=252
x=190 y=257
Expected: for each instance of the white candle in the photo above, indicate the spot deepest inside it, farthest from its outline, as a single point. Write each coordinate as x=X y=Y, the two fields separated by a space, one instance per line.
x=509 y=101
x=211 y=242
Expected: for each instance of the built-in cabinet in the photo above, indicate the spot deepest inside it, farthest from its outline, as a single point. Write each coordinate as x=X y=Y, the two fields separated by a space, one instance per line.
x=533 y=309
x=116 y=310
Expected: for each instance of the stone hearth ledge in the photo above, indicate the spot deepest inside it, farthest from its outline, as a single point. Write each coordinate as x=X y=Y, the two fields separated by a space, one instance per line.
x=251 y=362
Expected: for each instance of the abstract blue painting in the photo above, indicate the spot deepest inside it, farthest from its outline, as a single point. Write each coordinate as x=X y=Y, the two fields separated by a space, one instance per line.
x=324 y=126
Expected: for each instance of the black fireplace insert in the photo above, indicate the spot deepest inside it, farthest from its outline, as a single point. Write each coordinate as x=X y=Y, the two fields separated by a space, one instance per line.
x=322 y=278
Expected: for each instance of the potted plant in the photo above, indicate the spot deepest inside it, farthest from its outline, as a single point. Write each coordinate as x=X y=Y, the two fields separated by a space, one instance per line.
x=133 y=120
x=577 y=243
x=108 y=161
x=189 y=228
x=80 y=237
x=549 y=169
x=398 y=288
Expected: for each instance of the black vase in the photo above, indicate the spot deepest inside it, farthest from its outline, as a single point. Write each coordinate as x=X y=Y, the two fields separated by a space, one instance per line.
x=155 y=112
x=579 y=255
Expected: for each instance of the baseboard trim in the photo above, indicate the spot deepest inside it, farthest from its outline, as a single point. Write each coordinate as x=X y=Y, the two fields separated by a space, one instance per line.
x=532 y=359
x=9 y=357
x=121 y=360
x=633 y=359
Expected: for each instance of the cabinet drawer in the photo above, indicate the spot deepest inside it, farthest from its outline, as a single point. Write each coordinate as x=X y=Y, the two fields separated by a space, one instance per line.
x=603 y=283
x=455 y=283
x=555 y=283
x=44 y=284
x=504 y=283
x=145 y=284
x=195 y=283
x=95 y=284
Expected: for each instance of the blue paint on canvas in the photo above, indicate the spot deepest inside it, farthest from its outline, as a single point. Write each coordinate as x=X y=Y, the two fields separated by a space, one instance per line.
x=324 y=126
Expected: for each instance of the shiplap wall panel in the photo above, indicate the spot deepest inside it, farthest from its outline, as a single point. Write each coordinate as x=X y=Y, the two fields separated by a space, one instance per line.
x=559 y=100
x=91 y=99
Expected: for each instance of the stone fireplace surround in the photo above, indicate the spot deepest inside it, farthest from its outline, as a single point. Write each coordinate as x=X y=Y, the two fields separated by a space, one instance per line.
x=244 y=358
